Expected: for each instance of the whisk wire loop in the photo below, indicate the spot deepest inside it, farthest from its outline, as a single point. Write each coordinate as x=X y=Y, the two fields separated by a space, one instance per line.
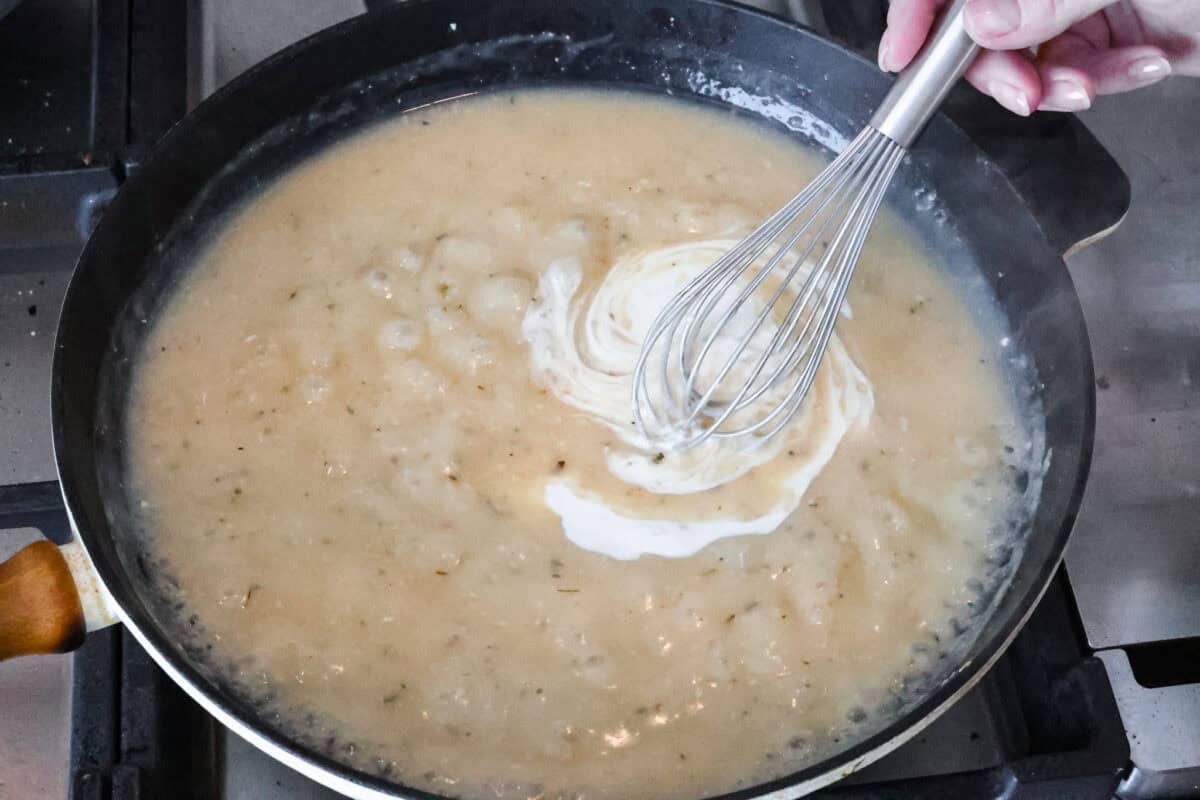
x=825 y=315
x=687 y=383
x=813 y=281
x=807 y=375
x=692 y=370
x=703 y=371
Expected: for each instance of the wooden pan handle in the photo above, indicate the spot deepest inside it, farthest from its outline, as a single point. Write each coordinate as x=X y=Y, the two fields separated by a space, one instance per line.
x=40 y=610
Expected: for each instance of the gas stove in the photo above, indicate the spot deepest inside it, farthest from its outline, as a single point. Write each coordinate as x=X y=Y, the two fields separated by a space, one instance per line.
x=1098 y=696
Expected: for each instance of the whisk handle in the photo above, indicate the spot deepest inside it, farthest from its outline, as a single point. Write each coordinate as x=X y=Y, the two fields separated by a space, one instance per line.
x=923 y=85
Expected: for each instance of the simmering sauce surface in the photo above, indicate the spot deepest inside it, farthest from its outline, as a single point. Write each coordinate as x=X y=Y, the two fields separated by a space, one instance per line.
x=342 y=448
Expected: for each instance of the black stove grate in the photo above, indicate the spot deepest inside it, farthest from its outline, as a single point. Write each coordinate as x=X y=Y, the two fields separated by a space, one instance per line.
x=1059 y=733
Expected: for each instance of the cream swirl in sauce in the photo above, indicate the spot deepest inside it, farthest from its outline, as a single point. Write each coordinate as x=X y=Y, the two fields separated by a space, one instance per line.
x=584 y=346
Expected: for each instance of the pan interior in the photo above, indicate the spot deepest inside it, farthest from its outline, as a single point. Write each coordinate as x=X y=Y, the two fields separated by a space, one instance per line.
x=940 y=206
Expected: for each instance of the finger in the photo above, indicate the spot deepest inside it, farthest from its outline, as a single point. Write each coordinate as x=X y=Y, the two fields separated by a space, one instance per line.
x=1106 y=70
x=1014 y=24
x=1164 y=24
x=1124 y=25
x=1066 y=89
x=908 y=25
x=1010 y=77
x=1062 y=62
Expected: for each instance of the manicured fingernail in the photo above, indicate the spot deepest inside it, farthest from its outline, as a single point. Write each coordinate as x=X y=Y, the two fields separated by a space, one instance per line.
x=885 y=53
x=1010 y=97
x=1149 y=70
x=1065 y=95
x=993 y=17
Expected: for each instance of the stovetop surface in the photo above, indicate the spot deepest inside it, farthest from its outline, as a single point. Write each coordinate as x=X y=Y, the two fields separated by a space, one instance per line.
x=76 y=116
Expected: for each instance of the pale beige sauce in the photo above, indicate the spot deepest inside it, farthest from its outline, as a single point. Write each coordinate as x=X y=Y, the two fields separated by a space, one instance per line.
x=342 y=451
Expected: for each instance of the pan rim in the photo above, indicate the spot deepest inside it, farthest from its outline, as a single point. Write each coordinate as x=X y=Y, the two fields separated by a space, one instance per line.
x=356 y=783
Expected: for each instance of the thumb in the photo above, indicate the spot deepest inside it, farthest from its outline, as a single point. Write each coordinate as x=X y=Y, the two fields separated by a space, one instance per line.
x=1013 y=24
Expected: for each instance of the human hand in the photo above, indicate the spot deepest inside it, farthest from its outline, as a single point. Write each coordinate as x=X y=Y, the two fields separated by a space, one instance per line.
x=1083 y=47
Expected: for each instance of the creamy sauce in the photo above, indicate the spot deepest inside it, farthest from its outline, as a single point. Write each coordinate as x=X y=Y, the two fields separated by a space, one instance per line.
x=377 y=445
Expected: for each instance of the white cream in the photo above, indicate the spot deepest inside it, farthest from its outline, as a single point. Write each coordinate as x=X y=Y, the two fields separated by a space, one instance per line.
x=584 y=345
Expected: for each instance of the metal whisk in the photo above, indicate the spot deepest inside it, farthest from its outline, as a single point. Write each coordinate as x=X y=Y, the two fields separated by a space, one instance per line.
x=736 y=351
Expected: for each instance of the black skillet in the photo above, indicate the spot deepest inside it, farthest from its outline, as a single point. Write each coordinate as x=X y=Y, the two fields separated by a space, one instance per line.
x=997 y=198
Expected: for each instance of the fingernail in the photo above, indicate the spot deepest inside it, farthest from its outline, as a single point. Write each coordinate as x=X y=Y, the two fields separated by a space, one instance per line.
x=1010 y=97
x=993 y=17
x=885 y=53
x=1065 y=95
x=1149 y=70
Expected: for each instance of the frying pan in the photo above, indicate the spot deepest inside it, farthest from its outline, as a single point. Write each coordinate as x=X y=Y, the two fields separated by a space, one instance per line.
x=981 y=191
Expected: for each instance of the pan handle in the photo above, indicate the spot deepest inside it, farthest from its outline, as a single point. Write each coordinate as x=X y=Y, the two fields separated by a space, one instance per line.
x=50 y=597
x=1068 y=180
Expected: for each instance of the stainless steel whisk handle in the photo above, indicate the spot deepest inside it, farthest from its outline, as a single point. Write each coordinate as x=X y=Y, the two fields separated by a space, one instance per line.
x=923 y=85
